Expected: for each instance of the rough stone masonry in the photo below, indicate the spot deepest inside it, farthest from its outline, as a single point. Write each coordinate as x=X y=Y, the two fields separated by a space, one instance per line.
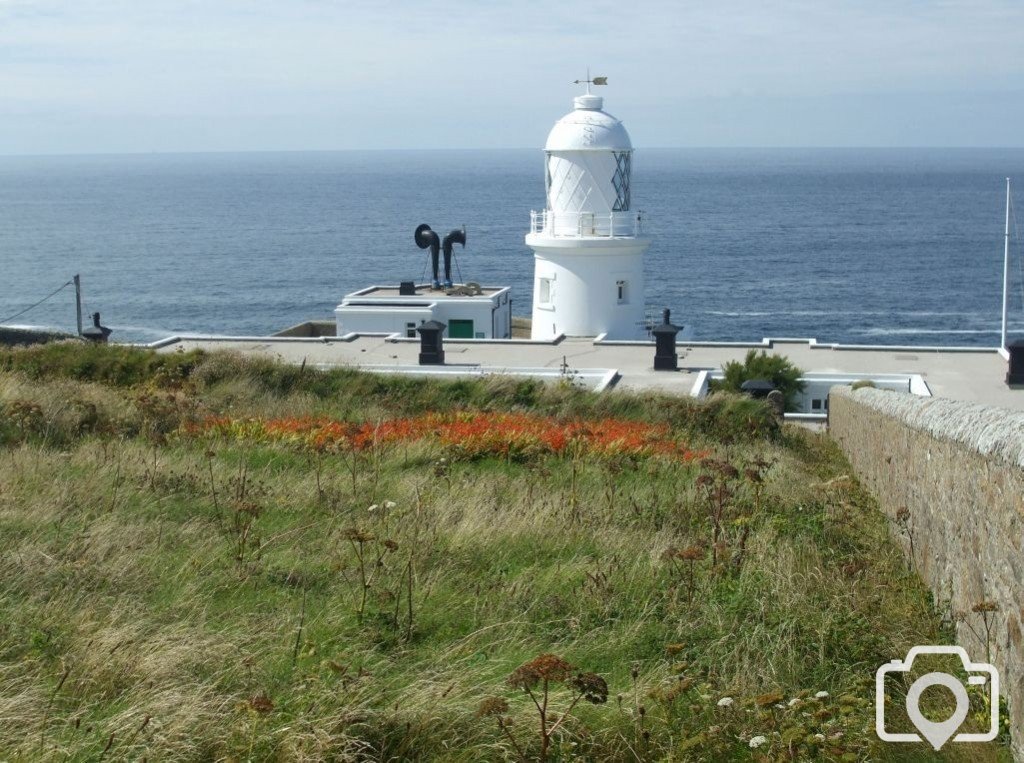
x=959 y=469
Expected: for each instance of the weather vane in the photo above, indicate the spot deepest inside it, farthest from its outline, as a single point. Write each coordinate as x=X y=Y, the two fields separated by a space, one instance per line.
x=588 y=81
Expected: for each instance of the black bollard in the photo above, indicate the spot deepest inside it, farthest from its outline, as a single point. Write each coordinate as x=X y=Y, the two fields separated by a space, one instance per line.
x=431 y=343
x=1015 y=372
x=665 y=356
x=96 y=332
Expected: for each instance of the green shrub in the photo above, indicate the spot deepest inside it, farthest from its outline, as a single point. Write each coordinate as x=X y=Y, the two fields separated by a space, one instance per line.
x=760 y=365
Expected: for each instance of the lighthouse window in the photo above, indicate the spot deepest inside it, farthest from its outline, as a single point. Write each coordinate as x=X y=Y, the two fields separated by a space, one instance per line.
x=620 y=180
x=622 y=290
x=545 y=291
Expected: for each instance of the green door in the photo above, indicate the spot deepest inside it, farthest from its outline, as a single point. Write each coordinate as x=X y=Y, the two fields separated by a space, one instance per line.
x=460 y=329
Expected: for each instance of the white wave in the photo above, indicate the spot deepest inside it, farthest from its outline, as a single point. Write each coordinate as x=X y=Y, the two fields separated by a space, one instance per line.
x=33 y=327
x=126 y=327
x=910 y=331
x=868 y=313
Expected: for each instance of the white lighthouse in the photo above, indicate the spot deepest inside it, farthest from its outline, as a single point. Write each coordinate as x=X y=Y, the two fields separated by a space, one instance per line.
x=587 y=243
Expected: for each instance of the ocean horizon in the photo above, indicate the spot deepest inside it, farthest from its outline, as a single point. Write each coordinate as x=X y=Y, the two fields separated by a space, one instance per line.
x=865 y=246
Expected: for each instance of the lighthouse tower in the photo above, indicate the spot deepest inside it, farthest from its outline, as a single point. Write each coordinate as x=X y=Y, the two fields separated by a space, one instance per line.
x=588 y=245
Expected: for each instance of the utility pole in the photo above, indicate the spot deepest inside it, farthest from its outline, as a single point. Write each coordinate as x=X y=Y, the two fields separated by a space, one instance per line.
x=78 y=302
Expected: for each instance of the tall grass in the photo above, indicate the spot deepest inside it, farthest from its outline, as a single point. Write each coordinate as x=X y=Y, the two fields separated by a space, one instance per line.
x=369 y=617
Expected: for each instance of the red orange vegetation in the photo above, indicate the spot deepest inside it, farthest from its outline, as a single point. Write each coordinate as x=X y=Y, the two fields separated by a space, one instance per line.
x=472 y=435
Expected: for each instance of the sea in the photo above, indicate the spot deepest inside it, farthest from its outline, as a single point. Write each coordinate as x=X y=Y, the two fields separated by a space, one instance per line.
x=864 y=246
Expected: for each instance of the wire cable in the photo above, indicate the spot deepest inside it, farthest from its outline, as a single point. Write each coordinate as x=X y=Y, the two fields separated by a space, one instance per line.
x=37 y=304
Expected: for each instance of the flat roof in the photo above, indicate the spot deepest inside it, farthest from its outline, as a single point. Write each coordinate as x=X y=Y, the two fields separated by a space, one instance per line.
x=973 y=375
x=423 y=291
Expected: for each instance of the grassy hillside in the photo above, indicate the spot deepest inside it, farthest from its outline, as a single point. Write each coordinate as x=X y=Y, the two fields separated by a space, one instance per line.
x=204 y=557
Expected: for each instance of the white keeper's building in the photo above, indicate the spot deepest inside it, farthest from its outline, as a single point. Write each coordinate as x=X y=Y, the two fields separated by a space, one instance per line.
x=399 y=310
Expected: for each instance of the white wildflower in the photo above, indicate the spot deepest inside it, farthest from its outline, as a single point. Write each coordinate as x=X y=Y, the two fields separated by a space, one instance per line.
x=757 y=741
x=374 y=507
x=725 y=702
x=794 y=701
x=821 y=695
x=389 y=504
x=819 y=737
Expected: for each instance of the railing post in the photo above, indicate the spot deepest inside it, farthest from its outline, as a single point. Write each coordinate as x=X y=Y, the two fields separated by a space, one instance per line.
x=611 y=225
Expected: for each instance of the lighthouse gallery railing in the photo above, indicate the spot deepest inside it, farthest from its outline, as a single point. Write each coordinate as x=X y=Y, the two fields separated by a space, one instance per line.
x=584 y=224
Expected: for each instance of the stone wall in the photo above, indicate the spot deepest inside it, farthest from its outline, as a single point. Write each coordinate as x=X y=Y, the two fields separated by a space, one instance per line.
x=959 y=469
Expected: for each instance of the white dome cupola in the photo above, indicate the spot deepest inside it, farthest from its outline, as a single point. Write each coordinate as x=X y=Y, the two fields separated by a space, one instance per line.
x=589 y=161
x=588 y=128
x=588 y=249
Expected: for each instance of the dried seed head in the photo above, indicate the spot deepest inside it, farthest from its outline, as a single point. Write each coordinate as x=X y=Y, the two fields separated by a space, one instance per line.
x=766 y=700
x=261 y=703
x=492 y=706
x=692 y=554
x=729 y=471
x=593 y=688
x=546 y=667
x=356 y=535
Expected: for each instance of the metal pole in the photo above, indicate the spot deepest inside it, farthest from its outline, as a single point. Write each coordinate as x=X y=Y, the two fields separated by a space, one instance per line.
x=78 y=302
x=1006 y=264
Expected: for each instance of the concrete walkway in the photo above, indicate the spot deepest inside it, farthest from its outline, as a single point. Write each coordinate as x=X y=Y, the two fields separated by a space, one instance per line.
x=970 y=374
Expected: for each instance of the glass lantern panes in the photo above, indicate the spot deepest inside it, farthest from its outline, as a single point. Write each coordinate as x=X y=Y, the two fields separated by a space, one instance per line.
x=620 y=180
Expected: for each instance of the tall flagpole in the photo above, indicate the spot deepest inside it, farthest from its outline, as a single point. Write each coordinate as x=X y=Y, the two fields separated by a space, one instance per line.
x=1006 y=265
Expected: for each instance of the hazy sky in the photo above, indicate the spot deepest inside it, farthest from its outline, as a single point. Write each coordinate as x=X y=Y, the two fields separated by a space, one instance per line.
x=89 y=76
